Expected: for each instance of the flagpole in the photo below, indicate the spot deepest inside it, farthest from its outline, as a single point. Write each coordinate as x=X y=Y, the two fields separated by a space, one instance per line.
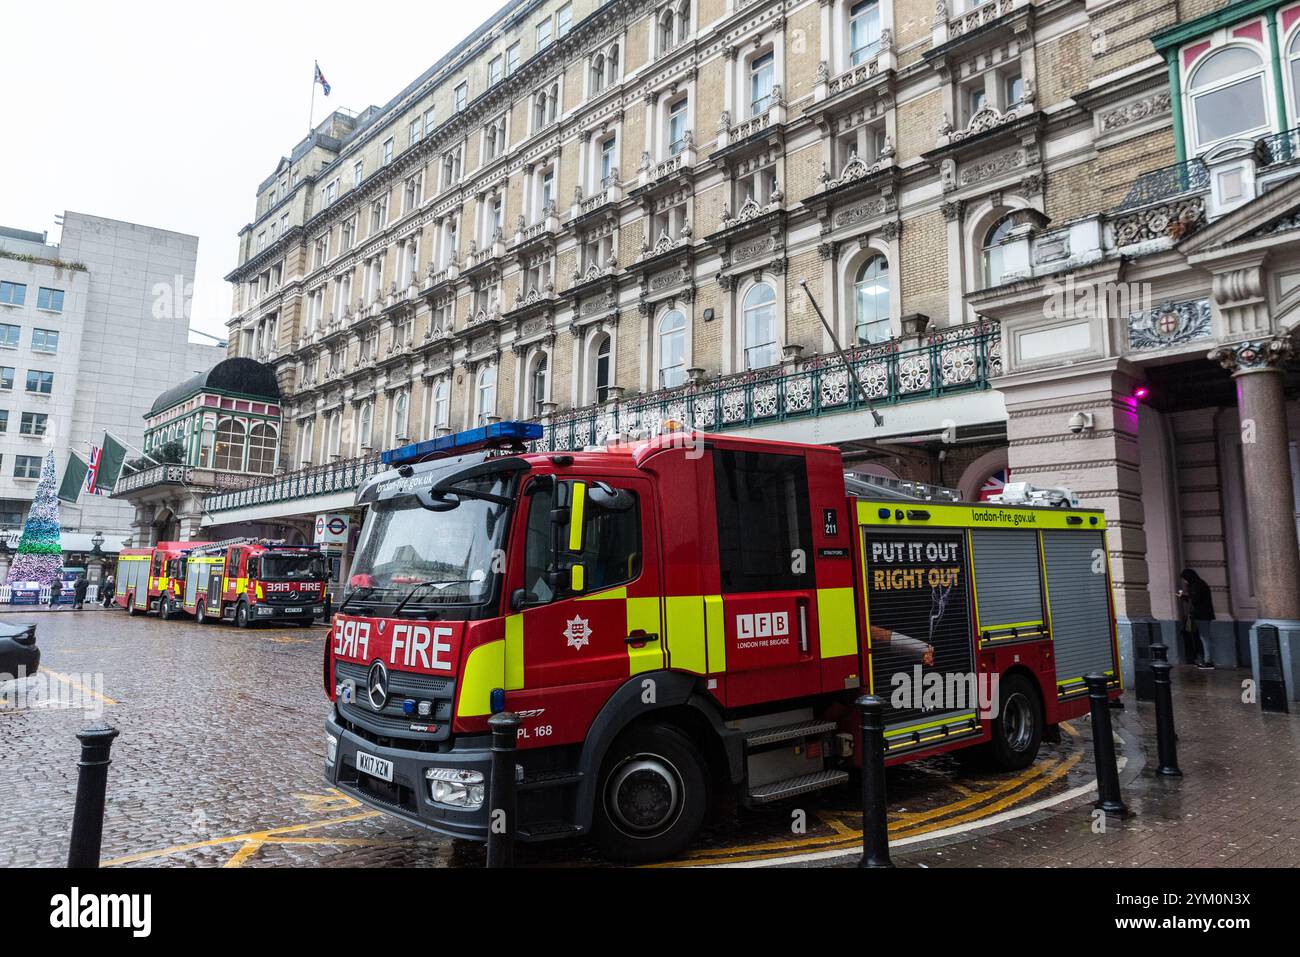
x=311 y=117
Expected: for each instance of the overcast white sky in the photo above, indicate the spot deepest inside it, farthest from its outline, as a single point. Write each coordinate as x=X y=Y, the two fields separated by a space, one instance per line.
x=170 y=114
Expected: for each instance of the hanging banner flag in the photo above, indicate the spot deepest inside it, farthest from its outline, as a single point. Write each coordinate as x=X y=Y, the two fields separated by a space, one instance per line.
x=111 y=457
x=92 y=471
x=74 y=478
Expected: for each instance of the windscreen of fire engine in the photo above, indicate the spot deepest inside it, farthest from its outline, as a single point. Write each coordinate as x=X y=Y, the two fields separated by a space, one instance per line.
x=292 y=567
x=917 y=601
x=429 y=558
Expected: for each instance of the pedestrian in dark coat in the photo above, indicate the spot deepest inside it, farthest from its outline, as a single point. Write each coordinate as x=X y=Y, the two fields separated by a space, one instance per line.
x=106 y=588
x=79 y=593
x=1199 y=605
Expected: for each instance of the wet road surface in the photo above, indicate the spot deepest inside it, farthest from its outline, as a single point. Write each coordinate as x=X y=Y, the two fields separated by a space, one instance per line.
x=220 y=757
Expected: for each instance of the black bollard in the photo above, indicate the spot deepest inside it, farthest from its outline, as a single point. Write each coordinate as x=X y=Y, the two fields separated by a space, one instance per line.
x=92 y=782
x=1103 y=747
x=1166 y=739
x=875 y=810
x=501 y=793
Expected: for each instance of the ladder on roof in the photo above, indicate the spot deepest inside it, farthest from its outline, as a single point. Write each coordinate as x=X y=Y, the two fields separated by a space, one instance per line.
x=213 y=548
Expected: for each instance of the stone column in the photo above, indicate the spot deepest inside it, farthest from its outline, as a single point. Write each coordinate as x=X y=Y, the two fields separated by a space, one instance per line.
x=1257 y=367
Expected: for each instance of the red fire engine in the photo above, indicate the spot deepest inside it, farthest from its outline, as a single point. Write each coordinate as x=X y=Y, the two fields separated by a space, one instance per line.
x=144 y=575
x=686 y=616
x=247 y=580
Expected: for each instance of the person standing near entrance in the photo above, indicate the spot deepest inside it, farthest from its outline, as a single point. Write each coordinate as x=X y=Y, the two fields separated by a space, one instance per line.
x=79 y=590
x=106 y=588
x=1195 y=594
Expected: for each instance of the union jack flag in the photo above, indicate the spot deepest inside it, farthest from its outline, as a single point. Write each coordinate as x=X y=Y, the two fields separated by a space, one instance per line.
x=92 y=471
x=994 y=484
x=320 y=78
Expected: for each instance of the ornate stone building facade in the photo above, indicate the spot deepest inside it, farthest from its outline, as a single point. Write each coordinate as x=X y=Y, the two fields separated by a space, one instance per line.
x=601 y=215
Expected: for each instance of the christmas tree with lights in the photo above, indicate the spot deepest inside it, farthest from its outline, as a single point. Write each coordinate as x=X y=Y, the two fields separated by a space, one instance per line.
x=40 y=551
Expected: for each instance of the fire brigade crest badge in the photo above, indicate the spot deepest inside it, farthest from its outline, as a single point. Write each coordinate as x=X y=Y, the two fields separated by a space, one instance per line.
x=578 y=632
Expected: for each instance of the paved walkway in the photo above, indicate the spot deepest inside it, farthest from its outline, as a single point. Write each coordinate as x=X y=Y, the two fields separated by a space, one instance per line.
x=1237 y=805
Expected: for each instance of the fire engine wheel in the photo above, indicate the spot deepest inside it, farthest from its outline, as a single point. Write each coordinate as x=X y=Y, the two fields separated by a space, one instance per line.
x=653 y=795
x=201 y=614
x=164 y=608
x=1018 y=727
x=241 y=615
x=130 y=605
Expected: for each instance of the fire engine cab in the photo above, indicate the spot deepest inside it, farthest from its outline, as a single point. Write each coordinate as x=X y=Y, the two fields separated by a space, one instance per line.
x=247 y=580
x=144 y=576
x=685 y=617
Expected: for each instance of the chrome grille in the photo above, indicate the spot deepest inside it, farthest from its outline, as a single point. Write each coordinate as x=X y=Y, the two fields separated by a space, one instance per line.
x=391 y=722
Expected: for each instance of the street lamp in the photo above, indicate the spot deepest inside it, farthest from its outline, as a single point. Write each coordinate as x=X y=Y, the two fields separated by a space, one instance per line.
x=97 y=540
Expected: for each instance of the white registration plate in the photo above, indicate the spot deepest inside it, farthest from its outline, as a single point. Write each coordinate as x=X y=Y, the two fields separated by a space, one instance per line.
x=375 y=767
x=293 y=611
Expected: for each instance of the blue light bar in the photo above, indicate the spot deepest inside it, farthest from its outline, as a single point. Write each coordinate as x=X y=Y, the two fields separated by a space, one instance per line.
x=487 y=436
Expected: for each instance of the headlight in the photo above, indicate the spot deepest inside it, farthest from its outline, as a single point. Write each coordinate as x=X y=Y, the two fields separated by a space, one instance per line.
x=455 y=788
x=331 y=748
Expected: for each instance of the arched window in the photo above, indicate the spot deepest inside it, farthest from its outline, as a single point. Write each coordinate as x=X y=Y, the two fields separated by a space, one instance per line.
x=401 y=402
x=864 y=31
x=230 y=445
x=598 y=73
x=305 y=429
x=871 y=301
x=333 y=432
x=486 y=398
x=365 y=424
x=440 y=407
x=666 y=32
x=994 y=268
x=263 y=442
x=761 y=70
x=759 y=310
x=672 y=350
x=538 y=385
x=683 y=20
x=1293 y=62
x=1227 y=94
x=600 y=369
x=612 y=63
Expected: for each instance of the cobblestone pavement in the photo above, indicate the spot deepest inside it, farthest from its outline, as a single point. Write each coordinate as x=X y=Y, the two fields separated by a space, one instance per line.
x=1237 y=805
x=220 y=759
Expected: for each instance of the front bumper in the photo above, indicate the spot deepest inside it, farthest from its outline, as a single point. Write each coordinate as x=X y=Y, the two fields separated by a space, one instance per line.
x=266 y=611
x=408 y=795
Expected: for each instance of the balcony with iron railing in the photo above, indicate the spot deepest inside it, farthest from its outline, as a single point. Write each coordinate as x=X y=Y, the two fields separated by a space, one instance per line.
x=957 y=360
x=345 y=475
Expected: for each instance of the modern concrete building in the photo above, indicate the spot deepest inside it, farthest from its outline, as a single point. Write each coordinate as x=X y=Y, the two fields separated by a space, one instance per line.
x=1030 y=222
x=89 y=329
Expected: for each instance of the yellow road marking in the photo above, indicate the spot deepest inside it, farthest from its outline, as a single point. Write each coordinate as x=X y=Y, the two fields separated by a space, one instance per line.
x=271 y=836
x=835 y=843
x=903 y=821
x=74 y=683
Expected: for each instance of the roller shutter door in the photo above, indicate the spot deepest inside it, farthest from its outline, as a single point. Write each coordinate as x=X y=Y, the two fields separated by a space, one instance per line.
x=1079 y=605
x=1007 y=588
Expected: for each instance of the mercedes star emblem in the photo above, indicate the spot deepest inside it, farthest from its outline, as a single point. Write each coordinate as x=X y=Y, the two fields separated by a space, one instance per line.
x=377 y=685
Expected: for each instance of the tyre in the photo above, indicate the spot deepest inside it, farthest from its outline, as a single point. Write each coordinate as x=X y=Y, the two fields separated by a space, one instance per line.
x=165 y=608
x=1018 y=727
x=653 y=795
x=130 y=605
x=241 y=615
x=201 y=614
